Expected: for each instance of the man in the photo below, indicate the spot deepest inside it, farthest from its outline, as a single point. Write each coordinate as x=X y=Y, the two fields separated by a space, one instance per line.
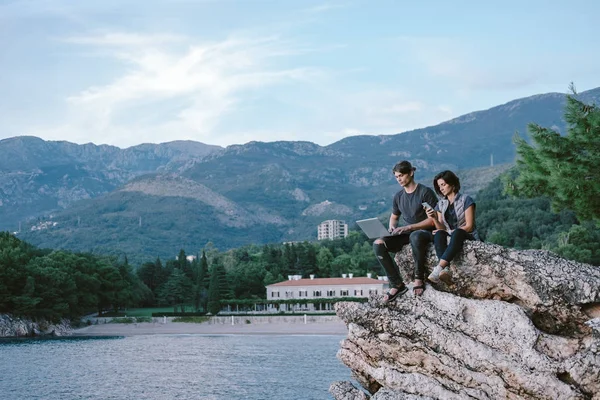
x=416 y=230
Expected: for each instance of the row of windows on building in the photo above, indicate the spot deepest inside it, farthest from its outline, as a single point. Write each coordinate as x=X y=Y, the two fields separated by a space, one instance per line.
x=329 y=293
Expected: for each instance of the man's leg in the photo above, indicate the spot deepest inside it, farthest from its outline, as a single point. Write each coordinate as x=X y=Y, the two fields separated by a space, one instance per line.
x=419 y=240
x=382 y=248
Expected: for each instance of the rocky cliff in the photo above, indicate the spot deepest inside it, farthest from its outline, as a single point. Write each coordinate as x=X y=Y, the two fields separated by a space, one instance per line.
x=17 y=327
x=512 y=325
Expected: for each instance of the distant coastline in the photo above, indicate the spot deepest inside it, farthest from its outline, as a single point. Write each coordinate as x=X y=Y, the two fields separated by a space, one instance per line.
x=315 y=325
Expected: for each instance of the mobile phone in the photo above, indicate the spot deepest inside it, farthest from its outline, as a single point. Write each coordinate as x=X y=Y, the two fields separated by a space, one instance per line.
x=426 y=205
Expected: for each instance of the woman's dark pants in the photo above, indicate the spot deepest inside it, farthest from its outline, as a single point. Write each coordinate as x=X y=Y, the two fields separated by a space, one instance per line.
x=447 y=251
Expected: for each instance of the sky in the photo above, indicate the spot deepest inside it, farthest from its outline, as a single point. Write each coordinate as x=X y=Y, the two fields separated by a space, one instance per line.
x=223 y=72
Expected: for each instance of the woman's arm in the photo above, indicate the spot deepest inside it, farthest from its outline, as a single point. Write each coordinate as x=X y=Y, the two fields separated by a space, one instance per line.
x=436 y=217
x=469 y=219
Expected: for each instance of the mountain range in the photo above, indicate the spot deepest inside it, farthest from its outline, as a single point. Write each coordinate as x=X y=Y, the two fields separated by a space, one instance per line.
x=154 y=199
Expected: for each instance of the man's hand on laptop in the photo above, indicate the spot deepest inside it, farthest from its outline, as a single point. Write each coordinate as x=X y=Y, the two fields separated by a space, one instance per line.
x=399 y=230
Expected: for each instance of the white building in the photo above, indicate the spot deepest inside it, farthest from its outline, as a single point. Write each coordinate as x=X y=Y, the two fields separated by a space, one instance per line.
x=332 y=229
x=313 y=288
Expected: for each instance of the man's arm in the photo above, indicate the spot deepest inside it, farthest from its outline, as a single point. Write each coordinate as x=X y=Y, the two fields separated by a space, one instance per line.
x=425 y=224
x=393 y=222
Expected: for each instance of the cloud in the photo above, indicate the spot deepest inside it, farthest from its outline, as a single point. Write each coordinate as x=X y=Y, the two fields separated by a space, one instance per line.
x=125 y=39
x=402 y=108
x=377 y=112
x=189 y=91
x=445 y=109
x=325 y=7
x=464 y=67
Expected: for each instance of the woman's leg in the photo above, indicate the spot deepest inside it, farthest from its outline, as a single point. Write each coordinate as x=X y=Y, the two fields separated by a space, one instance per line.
x=457 y=239
x=440 y=243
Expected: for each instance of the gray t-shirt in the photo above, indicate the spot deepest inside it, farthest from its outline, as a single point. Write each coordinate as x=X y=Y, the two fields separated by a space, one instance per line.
x=409 y=206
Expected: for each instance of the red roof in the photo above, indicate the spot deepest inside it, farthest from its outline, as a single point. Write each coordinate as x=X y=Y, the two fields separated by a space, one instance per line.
x=329 y=282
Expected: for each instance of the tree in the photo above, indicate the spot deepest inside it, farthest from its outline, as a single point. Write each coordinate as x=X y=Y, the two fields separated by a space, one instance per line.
x=202 y=283
x=218 y=289
x=271 y=278
x=564 y=168
x=306 y=259
x=14 y=255
x=248 y=280
x=324 y=260
x=26 y=303
x=149 y=275
x=340 y=265
x=177 y=291
x=362 y=259
x=581 y=243
x=109 y=277
x=51 y=287
x=289 y=259
x=184 y=264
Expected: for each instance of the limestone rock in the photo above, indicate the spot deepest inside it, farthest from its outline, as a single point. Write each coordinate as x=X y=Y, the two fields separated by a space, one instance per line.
x=512 y=325
x=17 y=327
x=559 y=295
x=346 y=391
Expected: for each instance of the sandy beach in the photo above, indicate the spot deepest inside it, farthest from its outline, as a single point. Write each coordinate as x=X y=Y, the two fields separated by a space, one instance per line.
x=326 y=327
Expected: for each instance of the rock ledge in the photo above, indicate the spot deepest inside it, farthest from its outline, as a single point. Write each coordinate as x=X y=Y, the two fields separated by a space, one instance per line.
x=513 y=325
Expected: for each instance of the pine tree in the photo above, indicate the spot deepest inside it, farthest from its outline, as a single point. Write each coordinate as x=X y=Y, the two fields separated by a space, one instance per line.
x=204 y=278
x=184 y=264
x=564 y=168
x=177 y=290
x=218 y=288
x=324 y=260
x=289 y=259
x=202 y=283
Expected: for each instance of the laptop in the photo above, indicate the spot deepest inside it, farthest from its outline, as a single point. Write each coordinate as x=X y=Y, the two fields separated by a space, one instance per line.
x=373 y=228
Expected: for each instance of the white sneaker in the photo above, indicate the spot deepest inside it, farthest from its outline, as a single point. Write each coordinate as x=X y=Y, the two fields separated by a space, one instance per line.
x=445 y=276
x=435 y=274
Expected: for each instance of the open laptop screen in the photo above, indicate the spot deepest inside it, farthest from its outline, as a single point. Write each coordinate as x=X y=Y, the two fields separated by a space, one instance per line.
x=373 y=228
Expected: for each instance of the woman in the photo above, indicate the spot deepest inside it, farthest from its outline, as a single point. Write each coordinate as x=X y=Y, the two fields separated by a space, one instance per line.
x=453 y=216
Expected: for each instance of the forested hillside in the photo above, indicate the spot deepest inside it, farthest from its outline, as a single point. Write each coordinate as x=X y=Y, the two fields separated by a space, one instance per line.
x=251 y=193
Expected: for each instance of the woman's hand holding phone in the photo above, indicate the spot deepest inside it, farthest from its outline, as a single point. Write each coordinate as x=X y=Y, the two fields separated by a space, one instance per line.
x=429 y=210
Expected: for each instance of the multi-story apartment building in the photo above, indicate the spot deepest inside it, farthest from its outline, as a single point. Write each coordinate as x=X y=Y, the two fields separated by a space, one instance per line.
x=313 y=288
x=332 y=229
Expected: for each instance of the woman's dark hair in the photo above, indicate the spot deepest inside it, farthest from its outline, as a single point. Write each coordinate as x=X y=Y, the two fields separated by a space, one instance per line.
x=450 y=178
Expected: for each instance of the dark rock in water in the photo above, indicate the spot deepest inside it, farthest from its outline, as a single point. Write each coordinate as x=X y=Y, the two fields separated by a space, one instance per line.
x=512 y=325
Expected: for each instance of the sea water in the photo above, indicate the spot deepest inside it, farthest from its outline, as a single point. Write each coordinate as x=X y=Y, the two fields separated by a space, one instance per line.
x=215 y=367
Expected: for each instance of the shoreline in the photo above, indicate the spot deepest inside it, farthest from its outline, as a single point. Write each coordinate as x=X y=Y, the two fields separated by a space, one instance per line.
x=207 y=328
